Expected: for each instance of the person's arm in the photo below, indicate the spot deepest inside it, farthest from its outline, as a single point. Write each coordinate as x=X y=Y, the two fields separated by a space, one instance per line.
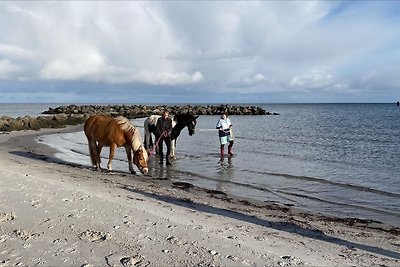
x=219 y=125
x=169 y=124
x=159 y=126
x=221 y=131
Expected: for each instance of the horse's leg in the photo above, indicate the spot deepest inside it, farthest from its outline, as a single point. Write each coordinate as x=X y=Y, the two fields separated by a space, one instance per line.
x=111 y=156
x=173 y=147
x=146 y=139
x=168 y=142
x=129 y=156
x=99 y=147
x=151 y=144
x=158 y=146
x=152 y=131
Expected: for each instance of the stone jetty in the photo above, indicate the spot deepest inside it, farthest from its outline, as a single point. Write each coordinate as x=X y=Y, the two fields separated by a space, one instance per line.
x=8 y=124
x=135 y=111
x=76 y=114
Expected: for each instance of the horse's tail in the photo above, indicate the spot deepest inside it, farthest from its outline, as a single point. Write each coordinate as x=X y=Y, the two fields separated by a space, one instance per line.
x=93 y=152
x=92 y=149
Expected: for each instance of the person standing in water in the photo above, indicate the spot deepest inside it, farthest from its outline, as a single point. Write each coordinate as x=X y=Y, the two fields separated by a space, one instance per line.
x=164 y=127
x=224 y=126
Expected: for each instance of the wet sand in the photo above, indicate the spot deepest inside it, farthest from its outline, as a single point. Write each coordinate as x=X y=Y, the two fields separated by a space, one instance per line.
x=58 y=214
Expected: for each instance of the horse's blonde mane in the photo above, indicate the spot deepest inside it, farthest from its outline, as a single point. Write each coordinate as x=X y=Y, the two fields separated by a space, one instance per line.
x=128 y=127
x=125 y=125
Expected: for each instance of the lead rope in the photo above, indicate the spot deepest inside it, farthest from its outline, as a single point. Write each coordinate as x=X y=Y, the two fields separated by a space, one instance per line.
x=163 y=134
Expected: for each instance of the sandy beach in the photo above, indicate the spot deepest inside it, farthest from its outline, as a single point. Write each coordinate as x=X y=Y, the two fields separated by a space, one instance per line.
x=57 y=214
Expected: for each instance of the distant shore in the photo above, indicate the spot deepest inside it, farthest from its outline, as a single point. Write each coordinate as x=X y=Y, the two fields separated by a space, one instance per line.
x=54 y=213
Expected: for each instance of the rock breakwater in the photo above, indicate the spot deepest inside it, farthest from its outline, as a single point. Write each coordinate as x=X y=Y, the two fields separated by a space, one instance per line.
x=75 y=114
x=135 y=111
x=8 y=124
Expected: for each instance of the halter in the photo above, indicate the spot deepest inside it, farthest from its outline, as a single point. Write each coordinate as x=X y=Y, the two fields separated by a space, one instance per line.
x=141 y=148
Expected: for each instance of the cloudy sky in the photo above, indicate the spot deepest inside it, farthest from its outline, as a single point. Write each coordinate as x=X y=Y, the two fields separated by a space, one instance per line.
x=199 y=51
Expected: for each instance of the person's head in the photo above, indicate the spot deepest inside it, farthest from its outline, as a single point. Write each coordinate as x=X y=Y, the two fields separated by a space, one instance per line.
x=165 y=114
x=224 y=115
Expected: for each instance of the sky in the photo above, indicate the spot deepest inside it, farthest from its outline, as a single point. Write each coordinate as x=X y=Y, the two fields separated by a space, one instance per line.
x=199 y=52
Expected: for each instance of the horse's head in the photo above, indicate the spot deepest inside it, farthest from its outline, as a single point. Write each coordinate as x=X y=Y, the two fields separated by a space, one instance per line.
x=191 y=124
x=140 y=157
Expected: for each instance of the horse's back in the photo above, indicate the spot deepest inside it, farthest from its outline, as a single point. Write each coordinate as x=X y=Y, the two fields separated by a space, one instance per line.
x=98 y=126
x=150 y=124
x=151 y=120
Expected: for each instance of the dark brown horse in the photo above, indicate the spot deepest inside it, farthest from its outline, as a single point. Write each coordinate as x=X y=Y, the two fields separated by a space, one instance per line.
x=102 y=130
x=179 y=121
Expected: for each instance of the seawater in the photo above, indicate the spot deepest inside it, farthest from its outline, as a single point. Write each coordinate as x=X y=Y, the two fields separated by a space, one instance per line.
x=336 y=159
x=15 y=110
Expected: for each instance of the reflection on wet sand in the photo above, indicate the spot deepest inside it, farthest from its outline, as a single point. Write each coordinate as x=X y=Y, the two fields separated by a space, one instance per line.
x=225 y=171
x=160 y=172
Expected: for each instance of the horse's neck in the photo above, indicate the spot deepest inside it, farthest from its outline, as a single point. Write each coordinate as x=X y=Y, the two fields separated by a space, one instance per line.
x=176 y=130
x=136 y=141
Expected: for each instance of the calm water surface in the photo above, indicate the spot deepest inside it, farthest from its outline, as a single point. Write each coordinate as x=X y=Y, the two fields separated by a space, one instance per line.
x=336 y=159
x=17 y=110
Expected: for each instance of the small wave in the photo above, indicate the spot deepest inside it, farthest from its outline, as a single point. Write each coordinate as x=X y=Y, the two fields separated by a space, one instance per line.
x=79 y=152
x=321 y=180
x=250 y=186
x=340 y=203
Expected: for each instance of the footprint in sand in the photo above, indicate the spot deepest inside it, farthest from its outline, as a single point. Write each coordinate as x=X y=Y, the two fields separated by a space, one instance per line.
x=25 y=235
x=6 y=217
x=94 y=236
x=35 y=203
x=117 y=260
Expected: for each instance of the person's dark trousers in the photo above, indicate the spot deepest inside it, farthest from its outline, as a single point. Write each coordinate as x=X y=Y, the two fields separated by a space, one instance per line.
x=167 y=141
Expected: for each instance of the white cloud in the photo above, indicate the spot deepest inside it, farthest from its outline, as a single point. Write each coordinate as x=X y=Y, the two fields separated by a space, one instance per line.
x=250 y=81
x=68 y=69
x=312 y=80
x=223 y=47
x=8 y=69
x=93 y=68
x=168 y=78
x=12 y=51
x=101 y=42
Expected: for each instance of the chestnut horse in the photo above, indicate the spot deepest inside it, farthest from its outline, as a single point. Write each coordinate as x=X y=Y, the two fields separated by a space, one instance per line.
x=179 y=121
x=102 y=130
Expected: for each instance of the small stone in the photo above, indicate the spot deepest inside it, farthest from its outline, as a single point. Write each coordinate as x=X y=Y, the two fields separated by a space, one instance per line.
x=213 y=252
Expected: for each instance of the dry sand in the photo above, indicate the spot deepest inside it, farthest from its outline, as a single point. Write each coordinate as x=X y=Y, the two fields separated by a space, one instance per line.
x=55 y=214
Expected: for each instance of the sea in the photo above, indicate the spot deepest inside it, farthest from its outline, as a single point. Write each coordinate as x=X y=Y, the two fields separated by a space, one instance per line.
x=339 y=160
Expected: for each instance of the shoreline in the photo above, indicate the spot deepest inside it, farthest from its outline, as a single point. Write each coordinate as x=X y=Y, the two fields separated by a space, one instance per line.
x=178 y=223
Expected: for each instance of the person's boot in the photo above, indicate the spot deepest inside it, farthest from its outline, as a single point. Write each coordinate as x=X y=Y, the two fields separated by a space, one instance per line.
x=169 y=163
x=230 y=150
x=222 y=151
